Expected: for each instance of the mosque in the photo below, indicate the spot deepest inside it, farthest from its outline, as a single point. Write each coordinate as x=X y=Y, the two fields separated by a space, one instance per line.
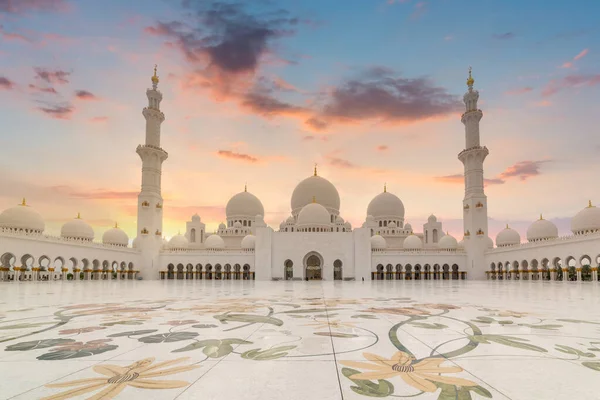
x=313 y=243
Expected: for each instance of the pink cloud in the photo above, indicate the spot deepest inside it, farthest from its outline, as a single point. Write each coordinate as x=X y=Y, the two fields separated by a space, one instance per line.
x=383 y=147
x=237 y=156
x=98 y=119
x=6 y=84
x=582 y=54
x=85 y=95
x=41 y=89
x=519 y=91
x=570 y=81
x=24 y=6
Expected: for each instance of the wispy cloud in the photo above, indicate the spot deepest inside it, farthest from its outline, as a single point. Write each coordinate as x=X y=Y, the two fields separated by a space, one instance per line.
x=339 y=162
x=519 y=91
x=6 y=84
x=24 y=6
x=51 y=76
x=504 y=36
x=42 y=89
x=85 y=95
x=570 y=81
x=99 y=119
x=228 y=154
x=57 y=111
x=98 y=194
x=382 y=147
x=522 y=170
x=579 y=56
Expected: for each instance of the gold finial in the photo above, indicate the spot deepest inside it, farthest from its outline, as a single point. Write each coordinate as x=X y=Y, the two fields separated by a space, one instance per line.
x=116 y=224
x=384 y=187
x=245 y=187
x=315 y=169
x=470 y=81
x=24 y=203
x=78 y=215
x=541 y=217
x=314 y=198
x=589 y=203
x=506 y=226
x=155 y=77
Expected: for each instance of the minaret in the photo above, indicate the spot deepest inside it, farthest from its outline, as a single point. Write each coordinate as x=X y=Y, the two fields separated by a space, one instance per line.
x=475 y=217
x=150 y=201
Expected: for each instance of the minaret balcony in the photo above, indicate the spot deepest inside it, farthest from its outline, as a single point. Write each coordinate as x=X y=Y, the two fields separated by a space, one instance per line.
x=476 y=150
x=148 y=148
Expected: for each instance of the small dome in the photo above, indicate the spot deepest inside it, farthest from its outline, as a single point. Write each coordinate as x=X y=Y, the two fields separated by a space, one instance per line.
x=178 y=242
x=195 y=218
x=22 y=217
x=244 y=204
x=541 y=230
x=115 y=236
x=347 y=225
x=249 y=242
x=290 y=220
x=237 y=224
x=448 y=242
x=313 y=214
x=259 y=221
x=378 y=242
x=508 y=237
x=136 y=242
x=432 y=218
x=214 y=242
x=315 y=187
x=222 y=226
x=370 y=219
x=490 y=242
x=77 y=229
x=412 y=242
x=408 y=227
x=392 y=225
x=339 y=220
x=461 y=244
x=386 y=205
x=165 y=244
x=586 y=220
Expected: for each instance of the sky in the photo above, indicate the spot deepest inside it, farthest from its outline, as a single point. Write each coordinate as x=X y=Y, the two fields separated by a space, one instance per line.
x=258 y=92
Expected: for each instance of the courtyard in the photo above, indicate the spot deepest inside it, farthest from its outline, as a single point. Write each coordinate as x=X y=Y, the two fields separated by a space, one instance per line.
x=298 y=340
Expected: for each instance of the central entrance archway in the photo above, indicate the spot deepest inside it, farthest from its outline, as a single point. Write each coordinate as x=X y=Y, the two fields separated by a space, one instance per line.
x=313 y=267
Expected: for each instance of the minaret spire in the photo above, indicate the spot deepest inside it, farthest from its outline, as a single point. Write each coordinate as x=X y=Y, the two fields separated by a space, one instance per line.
x=315 y=174
x=475 y=214
x=150 y=201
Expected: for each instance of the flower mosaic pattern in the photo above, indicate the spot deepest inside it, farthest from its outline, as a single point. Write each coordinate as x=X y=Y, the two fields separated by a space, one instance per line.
x=380 y=346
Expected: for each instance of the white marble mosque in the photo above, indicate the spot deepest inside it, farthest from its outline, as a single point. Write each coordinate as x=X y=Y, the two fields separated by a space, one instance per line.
x=313 y=243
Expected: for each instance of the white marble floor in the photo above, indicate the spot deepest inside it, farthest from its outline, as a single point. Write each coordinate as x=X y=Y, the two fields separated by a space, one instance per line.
x=299 y=340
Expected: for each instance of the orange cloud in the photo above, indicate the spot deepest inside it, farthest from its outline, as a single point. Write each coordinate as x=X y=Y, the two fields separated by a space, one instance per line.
x=228 y=154
x=98 y=119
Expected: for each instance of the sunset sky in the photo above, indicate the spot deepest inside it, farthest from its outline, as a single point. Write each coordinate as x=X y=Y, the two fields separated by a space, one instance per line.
x=258 y=91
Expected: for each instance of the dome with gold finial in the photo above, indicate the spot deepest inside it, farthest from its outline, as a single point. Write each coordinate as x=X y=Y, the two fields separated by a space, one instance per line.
x=22 y=218
x=508 y=237
x=586 y=220
x=244 y=205
x=115 y=236
x=386 y=206
x=77 y=228
x=319 y=187
x=541 y=230
x=314 y=215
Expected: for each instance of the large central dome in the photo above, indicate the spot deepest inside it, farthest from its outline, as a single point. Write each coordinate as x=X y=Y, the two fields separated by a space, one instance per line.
x=318 y=188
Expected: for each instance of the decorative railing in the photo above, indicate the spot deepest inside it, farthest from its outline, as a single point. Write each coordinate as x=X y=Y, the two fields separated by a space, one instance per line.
x=429 y=251
x=208 y=251
x=548 y=242
x=7 y=232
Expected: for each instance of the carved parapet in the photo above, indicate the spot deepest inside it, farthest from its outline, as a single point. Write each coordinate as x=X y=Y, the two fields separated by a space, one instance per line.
x=144 y=231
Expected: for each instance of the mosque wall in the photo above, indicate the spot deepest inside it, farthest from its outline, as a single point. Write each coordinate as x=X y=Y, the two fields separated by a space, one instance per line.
x=563 y=251
x=298 y=246
x=35 y=251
